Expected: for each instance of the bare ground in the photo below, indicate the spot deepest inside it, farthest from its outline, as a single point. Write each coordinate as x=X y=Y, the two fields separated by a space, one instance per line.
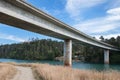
x=24 y=73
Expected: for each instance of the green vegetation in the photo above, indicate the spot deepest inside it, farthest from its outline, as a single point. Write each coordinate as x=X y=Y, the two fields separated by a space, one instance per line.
x=47 y=49
x=33 y=50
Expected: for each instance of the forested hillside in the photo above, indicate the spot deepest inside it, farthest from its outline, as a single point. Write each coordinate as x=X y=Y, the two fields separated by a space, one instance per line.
x=47 y=49
x=33 y=50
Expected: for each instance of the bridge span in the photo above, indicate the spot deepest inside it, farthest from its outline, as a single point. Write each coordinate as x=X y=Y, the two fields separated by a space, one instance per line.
x=22 y=15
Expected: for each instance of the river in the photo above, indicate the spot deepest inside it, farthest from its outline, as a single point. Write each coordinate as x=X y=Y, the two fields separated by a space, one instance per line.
x=78 y=65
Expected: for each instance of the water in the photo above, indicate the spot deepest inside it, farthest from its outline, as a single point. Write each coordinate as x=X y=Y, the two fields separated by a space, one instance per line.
x=78 y=65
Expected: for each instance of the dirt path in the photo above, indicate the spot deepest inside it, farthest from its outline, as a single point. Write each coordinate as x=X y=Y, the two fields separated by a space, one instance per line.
x=24 y=73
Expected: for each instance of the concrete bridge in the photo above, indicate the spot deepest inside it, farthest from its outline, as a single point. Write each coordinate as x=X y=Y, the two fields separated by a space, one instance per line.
x=22 y=15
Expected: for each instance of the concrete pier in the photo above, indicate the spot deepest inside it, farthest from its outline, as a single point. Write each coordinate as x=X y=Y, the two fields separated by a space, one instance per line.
x=106 y=56
x=67 y=52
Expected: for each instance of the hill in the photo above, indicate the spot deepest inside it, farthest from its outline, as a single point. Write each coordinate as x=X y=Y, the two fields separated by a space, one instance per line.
x=47 y=49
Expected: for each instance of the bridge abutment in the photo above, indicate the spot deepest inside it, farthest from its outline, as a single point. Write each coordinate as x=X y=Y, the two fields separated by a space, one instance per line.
x=67 y=52
x=106 y=56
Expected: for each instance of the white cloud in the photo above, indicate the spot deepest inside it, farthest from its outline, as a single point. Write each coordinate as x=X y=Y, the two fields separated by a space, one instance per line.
x=109 y=22
x=114 y=11
x=11 y=37
x=75 y=7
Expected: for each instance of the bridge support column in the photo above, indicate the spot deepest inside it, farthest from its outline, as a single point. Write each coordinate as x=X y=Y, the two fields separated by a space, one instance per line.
x=67 y=52
x=106 y=56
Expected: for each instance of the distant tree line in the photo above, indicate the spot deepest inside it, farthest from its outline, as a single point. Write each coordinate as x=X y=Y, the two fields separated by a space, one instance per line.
x=94 y=54
x=33 y=50
x=47 y=49
x=114 y=56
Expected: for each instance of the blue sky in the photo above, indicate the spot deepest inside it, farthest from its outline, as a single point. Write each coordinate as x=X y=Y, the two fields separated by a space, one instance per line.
x=93 y=17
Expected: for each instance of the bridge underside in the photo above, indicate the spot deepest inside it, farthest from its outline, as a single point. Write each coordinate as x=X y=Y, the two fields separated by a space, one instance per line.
x=9 y=20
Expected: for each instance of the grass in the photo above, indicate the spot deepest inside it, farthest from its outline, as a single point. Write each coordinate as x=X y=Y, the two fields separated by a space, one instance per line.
x=49 y=72
x=7 y=71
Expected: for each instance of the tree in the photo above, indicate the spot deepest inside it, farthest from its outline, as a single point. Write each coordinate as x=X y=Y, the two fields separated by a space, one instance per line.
x=101 y=38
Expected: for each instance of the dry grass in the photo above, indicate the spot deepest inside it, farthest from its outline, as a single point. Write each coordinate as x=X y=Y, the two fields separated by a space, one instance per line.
x=48 y=72
x=7 y=71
